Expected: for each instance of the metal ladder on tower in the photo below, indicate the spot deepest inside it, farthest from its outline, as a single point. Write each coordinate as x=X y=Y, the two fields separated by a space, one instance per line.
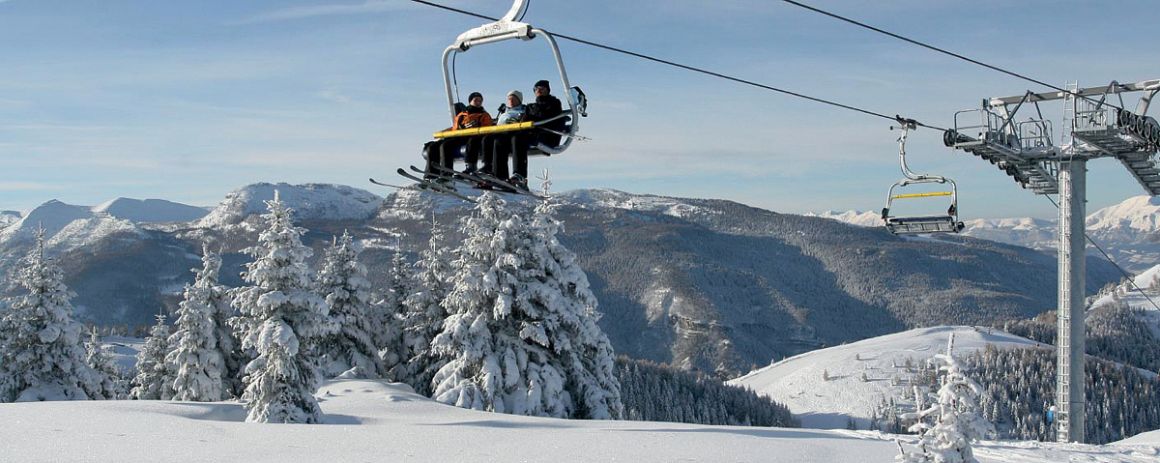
x=1063 y=349
x=1065 y=138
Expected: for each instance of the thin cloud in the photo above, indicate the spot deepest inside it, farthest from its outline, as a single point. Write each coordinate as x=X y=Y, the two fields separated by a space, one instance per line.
x=303 y=12
x=22 y=186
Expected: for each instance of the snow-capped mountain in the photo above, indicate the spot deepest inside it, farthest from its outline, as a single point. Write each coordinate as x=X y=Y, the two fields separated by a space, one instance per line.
x=825 y=388
x=71 y=225
x=150 y=210
x=310 y=202
x=706 y=284
x=1129 y=231
x=51 y=216
x=859 y=218
x=8 y=218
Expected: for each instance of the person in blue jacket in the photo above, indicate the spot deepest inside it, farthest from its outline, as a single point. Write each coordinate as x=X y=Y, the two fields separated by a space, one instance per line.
x=545 y=107
x=497 y=146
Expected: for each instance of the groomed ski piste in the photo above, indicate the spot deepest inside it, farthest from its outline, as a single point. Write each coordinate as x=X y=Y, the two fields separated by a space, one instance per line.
x=825 y=388
x=367 y=420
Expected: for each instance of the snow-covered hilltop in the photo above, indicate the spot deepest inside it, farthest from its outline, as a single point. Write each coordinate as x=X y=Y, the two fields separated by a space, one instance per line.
x=71 y=225
x=150 y=210
x=52 y=216
x=311 y=201
x=8 y=218
x=826 y=388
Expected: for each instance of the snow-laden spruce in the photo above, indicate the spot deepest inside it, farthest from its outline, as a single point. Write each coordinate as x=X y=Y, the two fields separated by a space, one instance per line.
x=282 y=320
x=233 y=357
x=522 y=335
x=391 y=309
x=424 y=314
x=41 y=354
x=343 y=281
x=153 y=380
x=107 y=376
x=957 y=418
x=197 y=362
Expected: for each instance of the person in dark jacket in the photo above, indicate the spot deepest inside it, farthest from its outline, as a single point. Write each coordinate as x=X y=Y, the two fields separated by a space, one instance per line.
x=443 y=152
x=543 y=108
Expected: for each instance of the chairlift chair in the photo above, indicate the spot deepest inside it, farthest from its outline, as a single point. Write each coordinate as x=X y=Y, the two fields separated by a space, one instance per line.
x=909 y=225
x=511 y=27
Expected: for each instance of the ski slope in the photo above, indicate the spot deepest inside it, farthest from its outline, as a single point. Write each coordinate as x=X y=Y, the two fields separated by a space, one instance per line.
x=800 y=382
x=1131 y=294
x=375 y=421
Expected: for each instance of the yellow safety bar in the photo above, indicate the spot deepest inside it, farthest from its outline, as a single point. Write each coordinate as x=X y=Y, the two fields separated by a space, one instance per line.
x=921 y=195
x=485 y=130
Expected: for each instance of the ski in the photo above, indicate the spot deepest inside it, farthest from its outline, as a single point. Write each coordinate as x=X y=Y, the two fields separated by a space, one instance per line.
x=499 y=185
x=466 y=179
x=435 y=186
x=397 y=187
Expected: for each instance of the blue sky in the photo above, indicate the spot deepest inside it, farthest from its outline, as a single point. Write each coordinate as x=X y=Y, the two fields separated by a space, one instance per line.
x=189 y=100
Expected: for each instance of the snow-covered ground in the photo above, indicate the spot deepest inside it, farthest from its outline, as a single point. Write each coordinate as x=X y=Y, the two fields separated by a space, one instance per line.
x=825 y=388
x=374 y=421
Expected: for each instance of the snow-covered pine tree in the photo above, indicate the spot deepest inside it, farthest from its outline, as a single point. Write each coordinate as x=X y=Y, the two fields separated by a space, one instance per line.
x=424 y=312
x=233 y=358
x=196 y=361
x=343 y=282
x=521 y=335
x=41 y=355
x=391 y=310
x=958 y=419
x=153 y=380
x=105 y=372
x=282 y=320
x=571 y=321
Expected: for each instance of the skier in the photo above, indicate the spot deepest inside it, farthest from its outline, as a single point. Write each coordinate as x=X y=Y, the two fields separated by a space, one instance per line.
x=496 y=147
x=443 y=152
x=545 y=107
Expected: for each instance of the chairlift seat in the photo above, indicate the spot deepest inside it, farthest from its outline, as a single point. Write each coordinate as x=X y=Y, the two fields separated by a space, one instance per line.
x=925 y=224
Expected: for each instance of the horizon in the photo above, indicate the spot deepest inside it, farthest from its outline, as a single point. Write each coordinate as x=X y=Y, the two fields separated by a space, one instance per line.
x=187 y=101
x=215 y=204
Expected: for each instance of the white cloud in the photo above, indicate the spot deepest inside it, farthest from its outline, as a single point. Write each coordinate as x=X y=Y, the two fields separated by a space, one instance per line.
x=302 y=12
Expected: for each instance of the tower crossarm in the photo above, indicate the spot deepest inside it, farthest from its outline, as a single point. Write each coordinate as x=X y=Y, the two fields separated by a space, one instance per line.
x=1091 y=92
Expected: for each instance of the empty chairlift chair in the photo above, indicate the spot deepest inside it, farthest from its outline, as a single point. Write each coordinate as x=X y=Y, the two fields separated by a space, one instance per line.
x=908 y=225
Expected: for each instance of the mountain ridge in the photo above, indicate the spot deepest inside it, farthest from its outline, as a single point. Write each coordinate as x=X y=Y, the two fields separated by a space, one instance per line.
x=711 y=285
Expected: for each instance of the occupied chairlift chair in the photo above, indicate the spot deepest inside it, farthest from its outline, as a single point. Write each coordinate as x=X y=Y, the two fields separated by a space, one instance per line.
x=510 y=27
x=897 y=225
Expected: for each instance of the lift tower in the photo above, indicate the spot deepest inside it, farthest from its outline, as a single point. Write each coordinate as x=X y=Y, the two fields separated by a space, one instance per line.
x=1092 y=128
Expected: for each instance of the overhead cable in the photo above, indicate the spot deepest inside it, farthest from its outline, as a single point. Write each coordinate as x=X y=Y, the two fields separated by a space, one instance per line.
x=1123 y=272
x=691 y=68
x=940 y=50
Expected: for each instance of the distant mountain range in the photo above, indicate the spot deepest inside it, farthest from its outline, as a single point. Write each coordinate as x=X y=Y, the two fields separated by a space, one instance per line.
x=1129 y=231
x=705 y=284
